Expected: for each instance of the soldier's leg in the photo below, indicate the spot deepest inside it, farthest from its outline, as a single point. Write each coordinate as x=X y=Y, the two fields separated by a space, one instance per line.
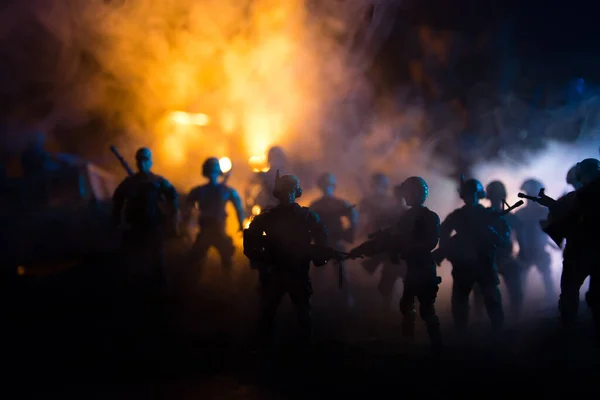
x=226 y=249
x=200 y=248
x=592 y=298
x=300 y=293
x=493 y=303
x=543 y=263
x=512 y=275
x=461 y=289
x=427 y=295
x=389 y=276
x=573 y=275
x=407 y=309
x=271 y=293
x=478 y=301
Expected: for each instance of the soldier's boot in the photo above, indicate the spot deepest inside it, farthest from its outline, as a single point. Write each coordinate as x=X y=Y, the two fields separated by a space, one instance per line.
x=435 y=335
x=568 y=306
x=408 y=328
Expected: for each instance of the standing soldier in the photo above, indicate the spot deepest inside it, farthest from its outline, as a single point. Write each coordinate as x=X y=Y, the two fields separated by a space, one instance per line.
x=149 y=205
x=416 y=235
x=532 y=240
x=211 y=200
x=580 y=256
x=508 y=267
x=278 y=243
x=332 y=211
x=378 y=210
x=479 y=231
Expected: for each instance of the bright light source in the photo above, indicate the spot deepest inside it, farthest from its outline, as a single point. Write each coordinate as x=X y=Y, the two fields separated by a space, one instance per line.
x=225 y=164
x=184 y=118
x=259 y=164
x=256 y=209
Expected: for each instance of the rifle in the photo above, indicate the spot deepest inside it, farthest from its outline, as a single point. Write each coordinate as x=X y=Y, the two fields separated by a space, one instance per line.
x=440 y=254
x=122 y=160
x=542 y=199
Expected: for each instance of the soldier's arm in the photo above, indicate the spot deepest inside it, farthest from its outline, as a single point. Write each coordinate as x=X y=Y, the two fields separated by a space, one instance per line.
x=317 y=229
x=118 y=201
x=499 y=236
x=446 y=229
x=188 y=204
x=239 y=208
x=171 y=194
x=252 y=238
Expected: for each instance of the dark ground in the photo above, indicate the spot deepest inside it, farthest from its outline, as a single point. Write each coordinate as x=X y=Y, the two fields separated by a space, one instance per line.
x=66 y=334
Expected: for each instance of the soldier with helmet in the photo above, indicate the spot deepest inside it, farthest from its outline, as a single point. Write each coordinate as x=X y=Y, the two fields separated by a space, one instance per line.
x=508 y=267
x=278 y=161
x=211 y=200
x=416 y=235
x=472 y=250
x=277 y=243
x=376 y=211
x=580 y=256
x=532 y=239
x=332 y=211
x=148 y=203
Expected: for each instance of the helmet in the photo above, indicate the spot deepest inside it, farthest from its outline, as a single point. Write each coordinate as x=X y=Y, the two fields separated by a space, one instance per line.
x=326 y=180
x=532 y=187
x=379 y=179
x=276 y=156
x=143 y=153
x=471 y=186
x=415 y=187
x=286 y=184
x=572 y=175
x=496 y=190
x=211 y=166
x=587 y=170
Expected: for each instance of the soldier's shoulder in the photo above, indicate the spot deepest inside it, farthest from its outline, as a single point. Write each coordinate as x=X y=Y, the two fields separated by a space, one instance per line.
x=430 y=214
x=310 y=213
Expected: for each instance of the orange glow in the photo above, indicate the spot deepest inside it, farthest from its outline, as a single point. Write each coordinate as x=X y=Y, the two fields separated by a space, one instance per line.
x=256 y=210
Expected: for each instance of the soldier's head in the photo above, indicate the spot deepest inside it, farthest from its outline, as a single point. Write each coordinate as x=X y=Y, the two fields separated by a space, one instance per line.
x=471 y=191
x=327 y=183
x=588 y=171
x=380 y=183
x=572 y=177
x=496 y=192
x=276 y=157
x=413 y=190
x=143 y=159
x=287 y=188
x=532 y=187
x=211 y=169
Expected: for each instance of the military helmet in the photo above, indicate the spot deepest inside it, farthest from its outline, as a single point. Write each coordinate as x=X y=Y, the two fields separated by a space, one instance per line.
x=326 y=180
x=286 y=184
x=276 y=155
x=211 y=166
x=143 y=153
x=572 y=175
x=472 y=186
x=415 y=186
x=588 y=168
x=532 y=187
x=496 y=190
